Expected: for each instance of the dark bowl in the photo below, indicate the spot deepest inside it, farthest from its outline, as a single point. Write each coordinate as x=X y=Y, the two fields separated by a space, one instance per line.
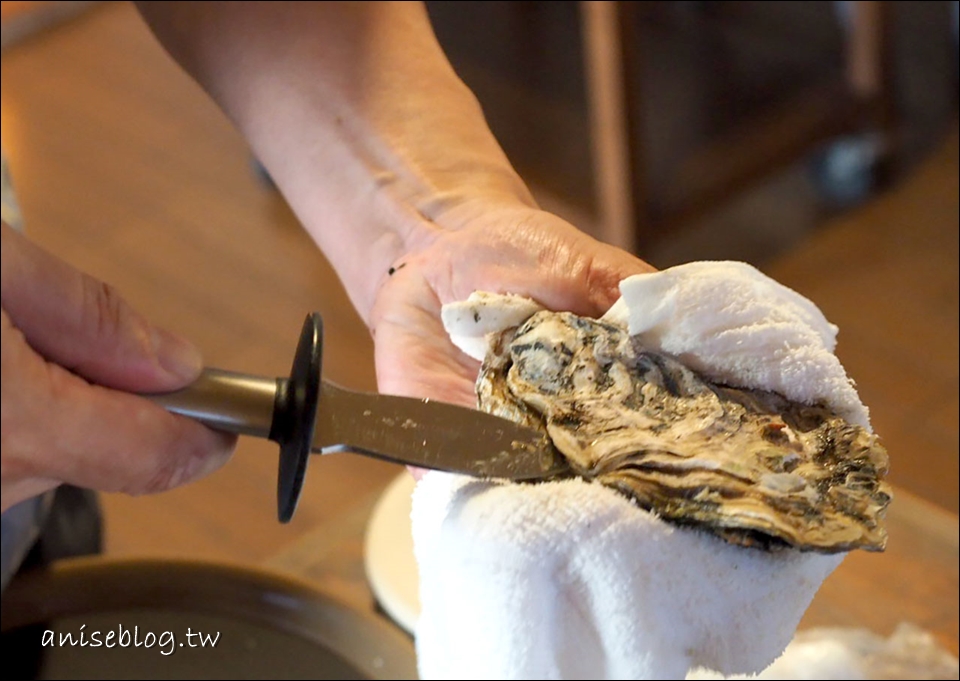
x=138 y=619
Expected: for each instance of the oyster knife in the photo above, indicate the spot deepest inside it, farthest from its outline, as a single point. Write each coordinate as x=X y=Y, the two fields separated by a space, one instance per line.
x=305 y=413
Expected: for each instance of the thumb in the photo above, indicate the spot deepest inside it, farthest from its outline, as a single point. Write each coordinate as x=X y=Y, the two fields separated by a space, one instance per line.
x=84 y=325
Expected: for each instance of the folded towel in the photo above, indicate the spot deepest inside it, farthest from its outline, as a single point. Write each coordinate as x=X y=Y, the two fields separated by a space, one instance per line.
x=572 y=580
x=737 y=326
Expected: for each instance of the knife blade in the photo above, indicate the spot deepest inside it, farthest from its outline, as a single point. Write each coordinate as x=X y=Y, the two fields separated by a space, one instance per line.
x=305 y=413
x=415 y=432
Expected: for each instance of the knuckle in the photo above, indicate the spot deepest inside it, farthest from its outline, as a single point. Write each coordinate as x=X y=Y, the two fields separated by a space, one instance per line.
x=104 y=310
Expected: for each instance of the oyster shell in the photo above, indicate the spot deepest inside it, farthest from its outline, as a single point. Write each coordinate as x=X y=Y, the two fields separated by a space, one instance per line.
x=748 y=465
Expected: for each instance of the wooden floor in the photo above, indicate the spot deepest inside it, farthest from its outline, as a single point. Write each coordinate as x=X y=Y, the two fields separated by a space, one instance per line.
x=125 y=169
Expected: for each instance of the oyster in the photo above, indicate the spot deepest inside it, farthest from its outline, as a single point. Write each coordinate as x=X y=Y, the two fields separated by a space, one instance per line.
x=748 y=465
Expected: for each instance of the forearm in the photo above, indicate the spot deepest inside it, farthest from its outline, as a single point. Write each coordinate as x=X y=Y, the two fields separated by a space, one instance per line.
x=357 y=115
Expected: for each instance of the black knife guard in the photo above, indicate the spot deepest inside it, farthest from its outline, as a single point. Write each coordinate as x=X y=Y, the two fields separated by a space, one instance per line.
x=295 y=415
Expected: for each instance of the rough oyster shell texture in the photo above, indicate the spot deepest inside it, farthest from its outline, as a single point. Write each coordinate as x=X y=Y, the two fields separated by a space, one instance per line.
x=748 y=465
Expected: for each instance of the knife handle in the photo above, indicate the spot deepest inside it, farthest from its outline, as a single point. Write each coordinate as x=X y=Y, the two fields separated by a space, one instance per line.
x=225 y=400
x=281 y=409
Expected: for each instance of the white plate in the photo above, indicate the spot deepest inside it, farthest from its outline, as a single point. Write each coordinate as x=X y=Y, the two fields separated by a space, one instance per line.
x=388 y=554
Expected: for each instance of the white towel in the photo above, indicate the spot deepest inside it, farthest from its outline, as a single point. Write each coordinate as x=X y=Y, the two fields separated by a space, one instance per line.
x=740 y=327
x=571 y=580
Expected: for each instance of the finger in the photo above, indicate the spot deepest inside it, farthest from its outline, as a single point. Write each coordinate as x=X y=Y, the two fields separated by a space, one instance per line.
x=114 y=441
x=581 y=275
x=84 y=325
x=540 y=256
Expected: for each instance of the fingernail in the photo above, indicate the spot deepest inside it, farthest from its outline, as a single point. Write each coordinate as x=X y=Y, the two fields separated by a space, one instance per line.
x=178 y=357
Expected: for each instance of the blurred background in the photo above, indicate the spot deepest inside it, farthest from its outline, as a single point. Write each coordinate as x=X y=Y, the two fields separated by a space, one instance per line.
x=816 y=140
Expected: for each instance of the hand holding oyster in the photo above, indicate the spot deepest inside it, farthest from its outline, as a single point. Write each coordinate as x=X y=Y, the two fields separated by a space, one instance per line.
x=706 y=410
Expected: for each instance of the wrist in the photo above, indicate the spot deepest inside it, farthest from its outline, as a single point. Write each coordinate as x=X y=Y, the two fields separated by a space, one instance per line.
x=400 y=226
